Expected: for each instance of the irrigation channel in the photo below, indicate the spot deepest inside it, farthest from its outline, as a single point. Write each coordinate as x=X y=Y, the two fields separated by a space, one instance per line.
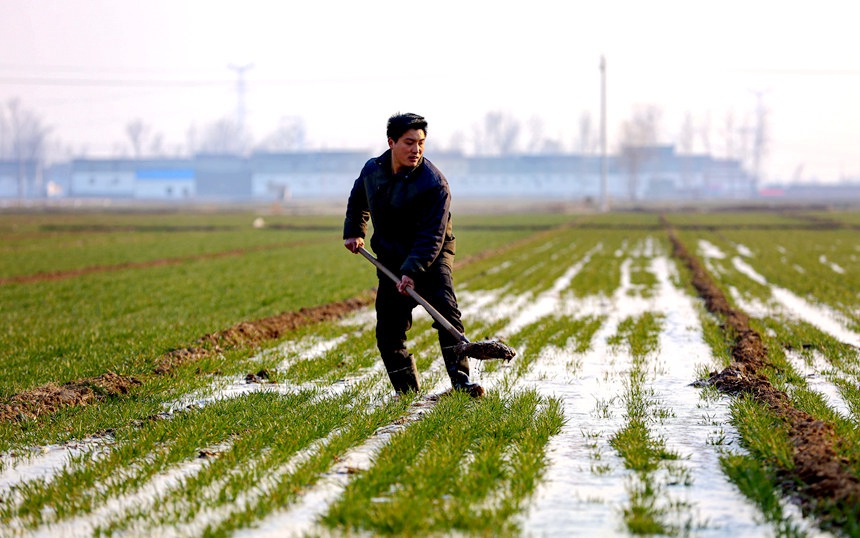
x=619 y=438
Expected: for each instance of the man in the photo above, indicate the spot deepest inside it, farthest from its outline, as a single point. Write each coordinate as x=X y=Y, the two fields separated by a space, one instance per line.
x=409 y=202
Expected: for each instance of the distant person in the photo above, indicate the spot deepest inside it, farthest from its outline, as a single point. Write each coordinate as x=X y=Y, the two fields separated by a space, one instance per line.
x=409 y=202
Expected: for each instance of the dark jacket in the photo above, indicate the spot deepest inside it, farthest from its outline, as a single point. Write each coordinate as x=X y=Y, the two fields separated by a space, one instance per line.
x=412 y=226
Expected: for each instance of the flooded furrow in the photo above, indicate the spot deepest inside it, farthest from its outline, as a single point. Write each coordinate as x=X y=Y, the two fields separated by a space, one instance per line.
x=586 y=487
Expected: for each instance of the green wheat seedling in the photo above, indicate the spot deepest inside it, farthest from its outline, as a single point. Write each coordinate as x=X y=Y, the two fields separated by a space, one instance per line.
x=728 y=275
x=717 y=339
x=81 y=243
x=556 y=331
x=550 y=265
x=141 y=452
x=763 y=433
x=95 y=323
x=816 y=280
x=817 y=405
x=643 y=516
x=782 y=334
x=272 y=432
x=492 y=274
x=591 y=440
x=642 y=279
x=639 y=335
x=352 y=354
x=850 y=392
x=441 y=473
x=757 y=482
x=805 y=339
x=642 y=451
x=602 y=275
x=285 y=488
x=603 y=408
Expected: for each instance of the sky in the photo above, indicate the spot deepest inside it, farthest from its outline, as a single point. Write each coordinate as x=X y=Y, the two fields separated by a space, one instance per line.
x=89 y=67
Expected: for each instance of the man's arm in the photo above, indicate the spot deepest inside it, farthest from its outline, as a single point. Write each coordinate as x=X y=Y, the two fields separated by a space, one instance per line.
x=357 y=215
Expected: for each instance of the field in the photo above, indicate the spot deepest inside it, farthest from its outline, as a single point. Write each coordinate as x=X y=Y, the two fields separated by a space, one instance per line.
x=191 y=374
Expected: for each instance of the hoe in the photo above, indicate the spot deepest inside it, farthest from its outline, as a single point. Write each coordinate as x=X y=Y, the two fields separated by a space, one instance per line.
x=485 y=350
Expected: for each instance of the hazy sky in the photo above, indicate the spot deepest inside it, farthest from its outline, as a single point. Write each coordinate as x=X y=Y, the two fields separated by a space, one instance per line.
x=88 y=67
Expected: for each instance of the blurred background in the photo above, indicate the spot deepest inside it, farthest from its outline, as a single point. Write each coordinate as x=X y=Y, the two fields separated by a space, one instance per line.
x=253 y=100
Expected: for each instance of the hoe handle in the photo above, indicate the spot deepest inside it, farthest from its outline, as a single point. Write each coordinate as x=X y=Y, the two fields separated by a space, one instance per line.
x=412 y=293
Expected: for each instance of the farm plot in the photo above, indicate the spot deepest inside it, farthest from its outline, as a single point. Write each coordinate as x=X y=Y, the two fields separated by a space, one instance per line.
x=596 y=428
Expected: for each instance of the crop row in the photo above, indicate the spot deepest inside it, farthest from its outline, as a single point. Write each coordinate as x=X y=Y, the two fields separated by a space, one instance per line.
x=598 y=403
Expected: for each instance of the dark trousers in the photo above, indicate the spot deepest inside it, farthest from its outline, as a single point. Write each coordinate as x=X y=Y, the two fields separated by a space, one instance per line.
x=394 y=319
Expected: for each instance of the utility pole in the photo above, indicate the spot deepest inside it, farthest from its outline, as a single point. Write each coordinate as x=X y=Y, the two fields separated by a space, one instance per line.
x=240 y=93
x=604 y=198
x=759 y=139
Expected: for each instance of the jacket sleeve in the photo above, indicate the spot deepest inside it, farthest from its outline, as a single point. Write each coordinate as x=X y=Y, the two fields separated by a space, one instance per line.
x=432 y=223
x=357 y=212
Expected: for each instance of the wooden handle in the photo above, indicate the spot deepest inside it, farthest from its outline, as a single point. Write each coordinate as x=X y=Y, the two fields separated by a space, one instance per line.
x=412 y=293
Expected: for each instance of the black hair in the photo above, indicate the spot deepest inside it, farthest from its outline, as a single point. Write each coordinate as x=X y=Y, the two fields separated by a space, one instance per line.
x=400 y=123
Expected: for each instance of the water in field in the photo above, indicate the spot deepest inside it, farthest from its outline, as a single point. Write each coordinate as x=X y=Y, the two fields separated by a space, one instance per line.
x=586 y=488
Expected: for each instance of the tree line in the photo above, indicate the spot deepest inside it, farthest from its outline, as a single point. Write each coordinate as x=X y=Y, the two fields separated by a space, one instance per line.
x=26 y=138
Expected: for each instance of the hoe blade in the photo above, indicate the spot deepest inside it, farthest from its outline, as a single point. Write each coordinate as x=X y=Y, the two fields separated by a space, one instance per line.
x=486 y=350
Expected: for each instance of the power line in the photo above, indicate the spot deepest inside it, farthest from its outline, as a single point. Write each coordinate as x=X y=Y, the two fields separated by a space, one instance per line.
x=111 y=83
x=811 y=72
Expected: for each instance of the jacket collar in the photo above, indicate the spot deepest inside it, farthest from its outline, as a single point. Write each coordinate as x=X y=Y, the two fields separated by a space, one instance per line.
x=384 y=161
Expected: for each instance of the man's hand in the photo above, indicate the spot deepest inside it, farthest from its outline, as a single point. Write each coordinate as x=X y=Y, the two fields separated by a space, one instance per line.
x=353 y=244
x=405 y=282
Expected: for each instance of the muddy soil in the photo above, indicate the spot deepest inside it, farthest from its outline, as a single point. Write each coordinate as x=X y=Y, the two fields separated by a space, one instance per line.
x=255 y=333
x=51 y=397
x=820 y=476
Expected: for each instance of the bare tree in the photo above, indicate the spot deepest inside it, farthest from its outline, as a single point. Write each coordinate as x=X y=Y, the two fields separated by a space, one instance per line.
x=137 y=132
x=289 y=135
x=686 y=138
x=156 y=145
x=457 y=142
x=587 y=139
x=705 y=134
x=498 y=135
x=224 y=137
x=5 y=136
x=638 y=136
x=729 y=134
x=540 y=143
x=761 y=138
x=687 y=135
x=192 y=140
x=27 y=144
x=536 y=136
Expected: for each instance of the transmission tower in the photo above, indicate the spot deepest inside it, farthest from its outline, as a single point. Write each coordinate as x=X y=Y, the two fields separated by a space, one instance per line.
x=604 y=193
x=240 y=93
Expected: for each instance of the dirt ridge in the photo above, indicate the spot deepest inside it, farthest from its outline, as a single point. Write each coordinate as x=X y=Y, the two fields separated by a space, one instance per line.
x=51 y=397
x=820 y=476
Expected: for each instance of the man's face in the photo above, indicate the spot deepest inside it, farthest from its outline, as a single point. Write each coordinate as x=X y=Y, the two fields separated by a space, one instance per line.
x=407 y=151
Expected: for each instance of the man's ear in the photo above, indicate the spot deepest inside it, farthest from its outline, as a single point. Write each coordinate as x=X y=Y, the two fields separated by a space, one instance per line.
x=390 y=143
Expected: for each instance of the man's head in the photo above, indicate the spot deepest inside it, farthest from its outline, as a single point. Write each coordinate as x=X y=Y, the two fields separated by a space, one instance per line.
x=406 y=134
x=400 y=123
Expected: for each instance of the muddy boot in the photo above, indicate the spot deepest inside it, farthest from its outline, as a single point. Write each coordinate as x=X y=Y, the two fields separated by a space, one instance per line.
x=401 y=371
x=458 y=371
